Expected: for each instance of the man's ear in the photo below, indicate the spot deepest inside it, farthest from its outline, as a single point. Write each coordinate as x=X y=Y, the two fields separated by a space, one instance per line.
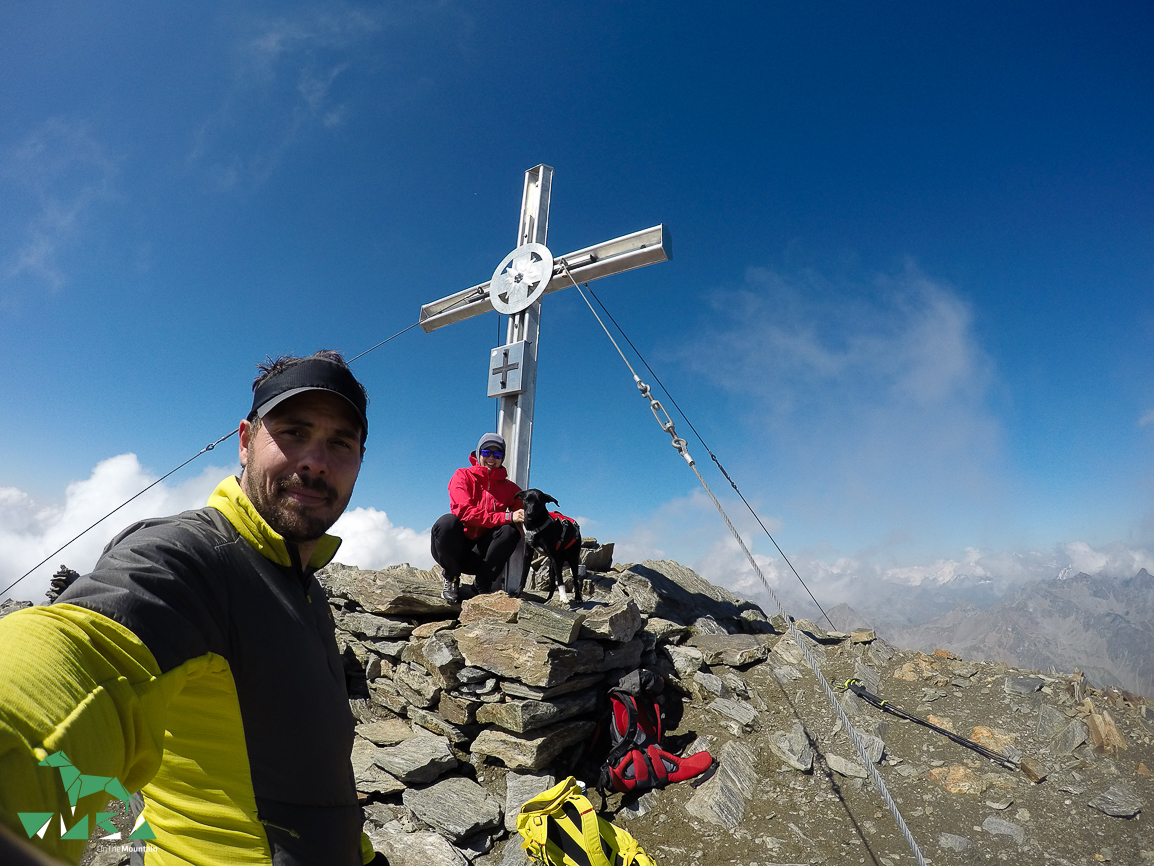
x=245 y=442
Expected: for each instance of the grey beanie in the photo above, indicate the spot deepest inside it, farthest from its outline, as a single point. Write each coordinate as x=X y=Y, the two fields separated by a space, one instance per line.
x=489 y=438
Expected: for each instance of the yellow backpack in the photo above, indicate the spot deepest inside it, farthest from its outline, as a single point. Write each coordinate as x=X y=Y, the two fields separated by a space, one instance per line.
x=561 y=829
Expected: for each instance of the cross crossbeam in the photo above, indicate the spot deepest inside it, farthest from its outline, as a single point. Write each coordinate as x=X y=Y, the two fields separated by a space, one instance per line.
x=646 y=247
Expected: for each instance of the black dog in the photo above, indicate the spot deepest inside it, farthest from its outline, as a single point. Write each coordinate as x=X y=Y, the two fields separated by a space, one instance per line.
x=559 y=541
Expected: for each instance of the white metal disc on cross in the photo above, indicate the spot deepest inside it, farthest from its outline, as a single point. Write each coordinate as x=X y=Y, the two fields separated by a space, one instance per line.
x=521 y=278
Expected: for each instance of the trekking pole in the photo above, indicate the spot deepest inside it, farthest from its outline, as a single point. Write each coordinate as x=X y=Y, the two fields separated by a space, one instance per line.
x=858 y=689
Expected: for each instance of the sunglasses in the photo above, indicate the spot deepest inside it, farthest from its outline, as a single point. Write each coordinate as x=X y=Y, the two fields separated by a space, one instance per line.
x=489 y=452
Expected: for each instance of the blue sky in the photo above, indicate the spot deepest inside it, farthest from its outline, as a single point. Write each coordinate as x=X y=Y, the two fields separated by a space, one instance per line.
x=909 y=308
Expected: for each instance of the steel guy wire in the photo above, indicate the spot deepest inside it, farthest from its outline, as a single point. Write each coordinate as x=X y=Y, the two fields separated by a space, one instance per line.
x=402 y=331
x=203 y=450
x=700 y=439
x=683 y=449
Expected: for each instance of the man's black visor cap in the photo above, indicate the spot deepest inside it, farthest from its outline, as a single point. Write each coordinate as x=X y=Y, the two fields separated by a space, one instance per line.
x=312 y=374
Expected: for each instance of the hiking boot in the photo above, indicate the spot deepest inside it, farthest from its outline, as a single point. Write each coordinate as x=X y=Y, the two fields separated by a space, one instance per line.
x=451 y=591
x=483 y=586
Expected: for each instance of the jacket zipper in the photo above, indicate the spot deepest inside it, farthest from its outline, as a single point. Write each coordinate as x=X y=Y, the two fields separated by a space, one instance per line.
x=292 y=833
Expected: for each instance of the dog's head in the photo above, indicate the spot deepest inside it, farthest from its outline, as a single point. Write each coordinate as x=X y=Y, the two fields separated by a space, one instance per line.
x=536 y=504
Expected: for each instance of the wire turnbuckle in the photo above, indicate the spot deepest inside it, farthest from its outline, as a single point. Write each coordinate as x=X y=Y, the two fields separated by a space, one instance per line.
x=667 y=425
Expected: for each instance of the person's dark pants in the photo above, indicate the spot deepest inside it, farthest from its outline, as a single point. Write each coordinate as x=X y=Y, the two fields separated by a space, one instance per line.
x=484 y=557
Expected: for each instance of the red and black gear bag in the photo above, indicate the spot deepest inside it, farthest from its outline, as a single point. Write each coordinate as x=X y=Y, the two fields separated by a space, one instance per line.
x=636 y=762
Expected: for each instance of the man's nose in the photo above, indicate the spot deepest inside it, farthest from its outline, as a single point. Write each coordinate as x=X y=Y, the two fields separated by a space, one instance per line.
x=314 y=458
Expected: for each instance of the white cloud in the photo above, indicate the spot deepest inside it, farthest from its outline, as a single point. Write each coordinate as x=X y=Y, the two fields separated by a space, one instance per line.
x=906 y=338
x=1115 y=560
x=30 y=531
x=284 y=83
x=333 y=27
x=935 y=353
x=315 y=85
x=370 y=540
x=55 y=178
x=639 y=545
x=686 y=527
x=874 y=404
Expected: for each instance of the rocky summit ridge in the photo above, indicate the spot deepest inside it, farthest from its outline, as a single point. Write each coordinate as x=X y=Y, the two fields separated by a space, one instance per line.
x=467 y=710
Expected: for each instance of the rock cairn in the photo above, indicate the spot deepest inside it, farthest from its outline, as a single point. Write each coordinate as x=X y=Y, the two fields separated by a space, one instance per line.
x=446 y=694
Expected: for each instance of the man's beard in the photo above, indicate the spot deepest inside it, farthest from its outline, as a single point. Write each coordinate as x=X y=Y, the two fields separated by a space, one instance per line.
x=286 y=517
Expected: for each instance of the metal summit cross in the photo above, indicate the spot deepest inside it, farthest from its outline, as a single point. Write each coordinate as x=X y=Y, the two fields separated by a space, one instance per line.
x=516 y=288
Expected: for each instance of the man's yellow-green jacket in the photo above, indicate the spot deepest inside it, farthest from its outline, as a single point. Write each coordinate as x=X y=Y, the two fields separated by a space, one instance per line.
x=196 y=661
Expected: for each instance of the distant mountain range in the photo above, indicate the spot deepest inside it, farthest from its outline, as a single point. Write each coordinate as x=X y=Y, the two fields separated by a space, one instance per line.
x=1100 y=625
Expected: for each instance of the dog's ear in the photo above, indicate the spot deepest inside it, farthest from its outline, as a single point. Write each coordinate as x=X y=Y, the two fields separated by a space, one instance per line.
x=551 y=499
x=520 y=494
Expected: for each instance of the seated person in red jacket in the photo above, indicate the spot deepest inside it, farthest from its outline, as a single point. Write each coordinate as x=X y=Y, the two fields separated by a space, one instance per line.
x=481 y=532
